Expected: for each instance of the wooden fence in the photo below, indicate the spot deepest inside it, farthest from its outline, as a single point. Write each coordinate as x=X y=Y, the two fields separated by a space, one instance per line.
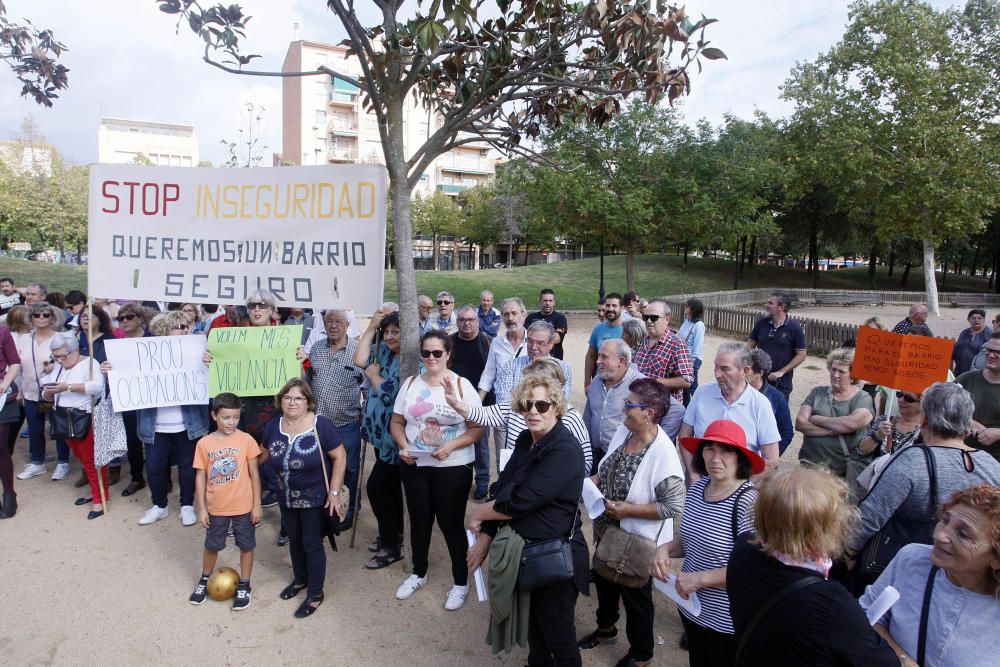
x=759 y=296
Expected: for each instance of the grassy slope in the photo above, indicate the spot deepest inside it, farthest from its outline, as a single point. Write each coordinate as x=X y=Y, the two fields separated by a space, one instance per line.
x=574 y=282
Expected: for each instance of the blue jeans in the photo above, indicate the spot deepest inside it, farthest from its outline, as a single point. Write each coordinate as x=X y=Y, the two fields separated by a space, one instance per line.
x=483 y=459
x=36 y=438
x=169 y=449
x=694 y=385
x=350 y=436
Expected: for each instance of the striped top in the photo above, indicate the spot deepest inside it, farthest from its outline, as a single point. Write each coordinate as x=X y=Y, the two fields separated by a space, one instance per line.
x=707 y=536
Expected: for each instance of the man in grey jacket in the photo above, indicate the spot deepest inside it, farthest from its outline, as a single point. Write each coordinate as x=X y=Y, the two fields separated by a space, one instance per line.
x=606 y=398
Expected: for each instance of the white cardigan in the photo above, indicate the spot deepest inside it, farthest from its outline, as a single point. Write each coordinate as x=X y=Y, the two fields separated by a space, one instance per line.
x=660 y=462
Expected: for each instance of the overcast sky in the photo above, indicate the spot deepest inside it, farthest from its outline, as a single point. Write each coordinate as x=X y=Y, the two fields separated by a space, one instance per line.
x=126 y=61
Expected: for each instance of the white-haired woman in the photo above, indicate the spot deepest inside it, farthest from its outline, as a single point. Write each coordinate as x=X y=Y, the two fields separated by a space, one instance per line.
x=74 y=385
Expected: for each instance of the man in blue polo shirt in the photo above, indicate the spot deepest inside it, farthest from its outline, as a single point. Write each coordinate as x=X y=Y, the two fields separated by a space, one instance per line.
x=782 y=338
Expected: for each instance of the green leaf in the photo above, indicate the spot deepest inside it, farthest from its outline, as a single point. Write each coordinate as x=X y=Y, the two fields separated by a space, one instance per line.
x=713 y=53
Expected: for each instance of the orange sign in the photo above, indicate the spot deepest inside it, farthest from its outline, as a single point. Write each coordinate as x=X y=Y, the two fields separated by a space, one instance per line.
x=909 y=363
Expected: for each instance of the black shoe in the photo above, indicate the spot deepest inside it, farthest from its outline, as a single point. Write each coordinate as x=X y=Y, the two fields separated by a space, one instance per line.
x=283 y=540
x=375 y=545
x=132 y=488
x=482 y=491
x=596 y=638
x=377 y=562
x=9 y=505
x=82 y=501
x=291 y=590
x=308 y=607
x=93 y=514
x=200 y=591
x=268 y=500
x=243 y=597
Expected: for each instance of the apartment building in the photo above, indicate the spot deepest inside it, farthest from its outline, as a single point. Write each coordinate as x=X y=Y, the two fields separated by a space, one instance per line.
x=324 y=122
x=120 y=141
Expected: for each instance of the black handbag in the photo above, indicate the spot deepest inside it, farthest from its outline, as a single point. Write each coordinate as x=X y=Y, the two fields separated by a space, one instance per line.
x=547 y=562
x=68 y=423
x=883 y=546
x=331 y=522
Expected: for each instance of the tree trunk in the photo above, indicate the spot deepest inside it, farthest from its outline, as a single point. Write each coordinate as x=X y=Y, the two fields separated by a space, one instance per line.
x=527 y=247
x=930 y=283
x=944 y=274
x=687 y=247
x=892 y=261
x=975 y=261
x=872 y=265
x=630 y=267
x=736 y=268
x=814 y=257
x=906 y=275
x=753 y=251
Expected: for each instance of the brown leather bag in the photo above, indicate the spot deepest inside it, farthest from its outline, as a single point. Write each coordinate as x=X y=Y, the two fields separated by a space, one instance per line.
x=623 y=558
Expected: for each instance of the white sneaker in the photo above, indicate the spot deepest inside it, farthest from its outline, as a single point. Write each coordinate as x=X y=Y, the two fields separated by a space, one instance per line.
x=32 y=470
x=456 y=597
x=62 y=469
x=411 y=585
x=188 y=517
x=153 y=514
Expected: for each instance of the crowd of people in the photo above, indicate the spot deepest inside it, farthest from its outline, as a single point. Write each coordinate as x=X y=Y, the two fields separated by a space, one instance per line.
x=895 y=488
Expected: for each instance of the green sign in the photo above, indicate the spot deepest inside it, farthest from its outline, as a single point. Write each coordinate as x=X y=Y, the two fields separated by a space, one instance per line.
x=253 y=361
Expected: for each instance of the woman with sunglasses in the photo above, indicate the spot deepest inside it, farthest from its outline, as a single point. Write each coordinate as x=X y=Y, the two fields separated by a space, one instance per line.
x=133 y=319
x=35 y=352
x=434 y=447
x=75 y=384
x=537 y=499
x=888 y=435
x=170 y=435
x=642 y=480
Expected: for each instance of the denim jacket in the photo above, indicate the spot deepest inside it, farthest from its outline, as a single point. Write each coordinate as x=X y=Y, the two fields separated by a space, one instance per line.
x=195 y=422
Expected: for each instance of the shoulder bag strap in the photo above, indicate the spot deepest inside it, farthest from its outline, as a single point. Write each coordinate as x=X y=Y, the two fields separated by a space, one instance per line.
x=924 y=613
x=794 y=586
x=736 y=508
x=322 y=458
x=931 y=477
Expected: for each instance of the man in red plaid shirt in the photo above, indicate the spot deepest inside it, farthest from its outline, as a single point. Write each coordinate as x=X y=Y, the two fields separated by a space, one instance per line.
x=663 y=354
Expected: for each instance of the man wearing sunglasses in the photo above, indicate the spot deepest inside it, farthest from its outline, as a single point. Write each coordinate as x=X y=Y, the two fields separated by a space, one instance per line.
x=547 y=313
x=782 y=338
x=662 y=354
x=984 y=385
x=446 y=320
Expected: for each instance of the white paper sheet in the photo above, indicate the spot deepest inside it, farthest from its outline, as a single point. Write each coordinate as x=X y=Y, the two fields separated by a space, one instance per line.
x=478 y=574
x=882 y=604
x=669 y=588
x=505 y=455
x=415 y=453
x=593 y=499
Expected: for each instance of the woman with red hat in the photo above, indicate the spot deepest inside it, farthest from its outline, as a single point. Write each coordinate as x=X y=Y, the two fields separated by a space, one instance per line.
x=719 y=507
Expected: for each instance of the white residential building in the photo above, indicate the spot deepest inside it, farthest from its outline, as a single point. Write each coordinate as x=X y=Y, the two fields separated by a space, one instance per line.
x=120 y=141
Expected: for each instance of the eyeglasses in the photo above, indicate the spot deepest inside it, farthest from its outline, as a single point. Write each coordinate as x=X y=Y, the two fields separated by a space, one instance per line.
x=293 y=399
x=537 y=343
x=467 y=320
x=541 y=406
x=650 y=318
x=909 y=398
x=427 y=353
x=987 y=351
x=128 y=317
x=443 y=302
x=636 y=405
x=45 y=315
x=428 y=307
x=254 y=305
x=60 y=357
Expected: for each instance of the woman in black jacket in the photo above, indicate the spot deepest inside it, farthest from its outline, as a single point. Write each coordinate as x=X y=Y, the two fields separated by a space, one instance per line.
x=785 y=611
x=537 y=495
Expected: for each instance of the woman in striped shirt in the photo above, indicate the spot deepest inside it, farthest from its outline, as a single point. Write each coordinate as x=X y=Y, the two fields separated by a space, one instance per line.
x=719 y=507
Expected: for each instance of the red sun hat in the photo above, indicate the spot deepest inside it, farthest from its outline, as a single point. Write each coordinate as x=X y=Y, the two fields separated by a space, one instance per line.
x=729 y=433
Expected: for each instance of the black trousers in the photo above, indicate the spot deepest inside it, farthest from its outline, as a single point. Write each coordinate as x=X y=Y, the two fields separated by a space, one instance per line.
x=305 y=528
x=385 y=493
x=638 y=604
x=552 y=627
x=439 y=493
x=708 y=648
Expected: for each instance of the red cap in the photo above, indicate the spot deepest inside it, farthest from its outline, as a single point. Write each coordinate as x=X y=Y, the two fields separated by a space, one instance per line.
x=726 y=432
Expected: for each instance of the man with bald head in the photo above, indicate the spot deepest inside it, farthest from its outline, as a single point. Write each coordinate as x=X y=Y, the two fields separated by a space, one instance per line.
x=607 y=393
x=918 y=315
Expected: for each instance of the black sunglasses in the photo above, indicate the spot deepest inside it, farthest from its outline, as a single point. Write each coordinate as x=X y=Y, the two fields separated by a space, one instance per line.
x=903 y=396
x=129 y=317
x=651 y=318
x=442 y=302
x=44 y=315
x=257 y=304
x=541 y=406
x=437 y=353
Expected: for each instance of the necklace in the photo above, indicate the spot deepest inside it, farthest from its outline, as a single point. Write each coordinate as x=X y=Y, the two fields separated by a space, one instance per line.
x=716 y=495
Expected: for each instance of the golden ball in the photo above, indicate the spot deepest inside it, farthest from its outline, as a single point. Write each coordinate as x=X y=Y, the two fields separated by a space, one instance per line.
x=222 y=583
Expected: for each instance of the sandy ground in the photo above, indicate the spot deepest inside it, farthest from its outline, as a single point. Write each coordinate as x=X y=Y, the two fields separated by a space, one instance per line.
x=109 y=590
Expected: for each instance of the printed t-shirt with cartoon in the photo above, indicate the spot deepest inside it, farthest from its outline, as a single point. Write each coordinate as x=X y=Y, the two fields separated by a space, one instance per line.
x=431 y=422
x=228 y=489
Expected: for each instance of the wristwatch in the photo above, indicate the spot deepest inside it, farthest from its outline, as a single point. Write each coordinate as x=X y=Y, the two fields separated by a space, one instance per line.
x=335 y=493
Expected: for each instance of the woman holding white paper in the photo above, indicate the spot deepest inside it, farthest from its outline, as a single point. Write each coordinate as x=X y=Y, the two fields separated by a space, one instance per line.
x=643 y=484
x=719 y=507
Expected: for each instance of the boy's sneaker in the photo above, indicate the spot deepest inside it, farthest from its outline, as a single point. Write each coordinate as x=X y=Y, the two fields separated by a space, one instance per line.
x=456 y=597
x=411 y=585
x=32 y=470
x=268 y=500
x=201 y=591
x=188 y=517
x=154 y=514
x=243 y=596
x=61 y=471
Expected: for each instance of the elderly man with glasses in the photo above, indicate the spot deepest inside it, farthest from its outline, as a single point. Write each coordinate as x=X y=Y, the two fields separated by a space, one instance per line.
x=540 y=339
x=984 y=385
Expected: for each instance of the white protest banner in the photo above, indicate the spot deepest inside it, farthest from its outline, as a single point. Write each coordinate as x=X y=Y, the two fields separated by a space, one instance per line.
x=157 y=371
x=315 y=236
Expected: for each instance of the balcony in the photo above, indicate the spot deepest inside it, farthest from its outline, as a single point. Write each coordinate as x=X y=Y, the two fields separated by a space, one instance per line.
x=342 y=98
x=342 y=127
x=342 y=154
x=465 y=165
x=451 y=189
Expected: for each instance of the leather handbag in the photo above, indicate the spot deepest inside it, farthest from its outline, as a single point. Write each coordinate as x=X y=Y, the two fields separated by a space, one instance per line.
x=547 y=562
x=623 y=558
x=331 y=522
x=69 y=423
